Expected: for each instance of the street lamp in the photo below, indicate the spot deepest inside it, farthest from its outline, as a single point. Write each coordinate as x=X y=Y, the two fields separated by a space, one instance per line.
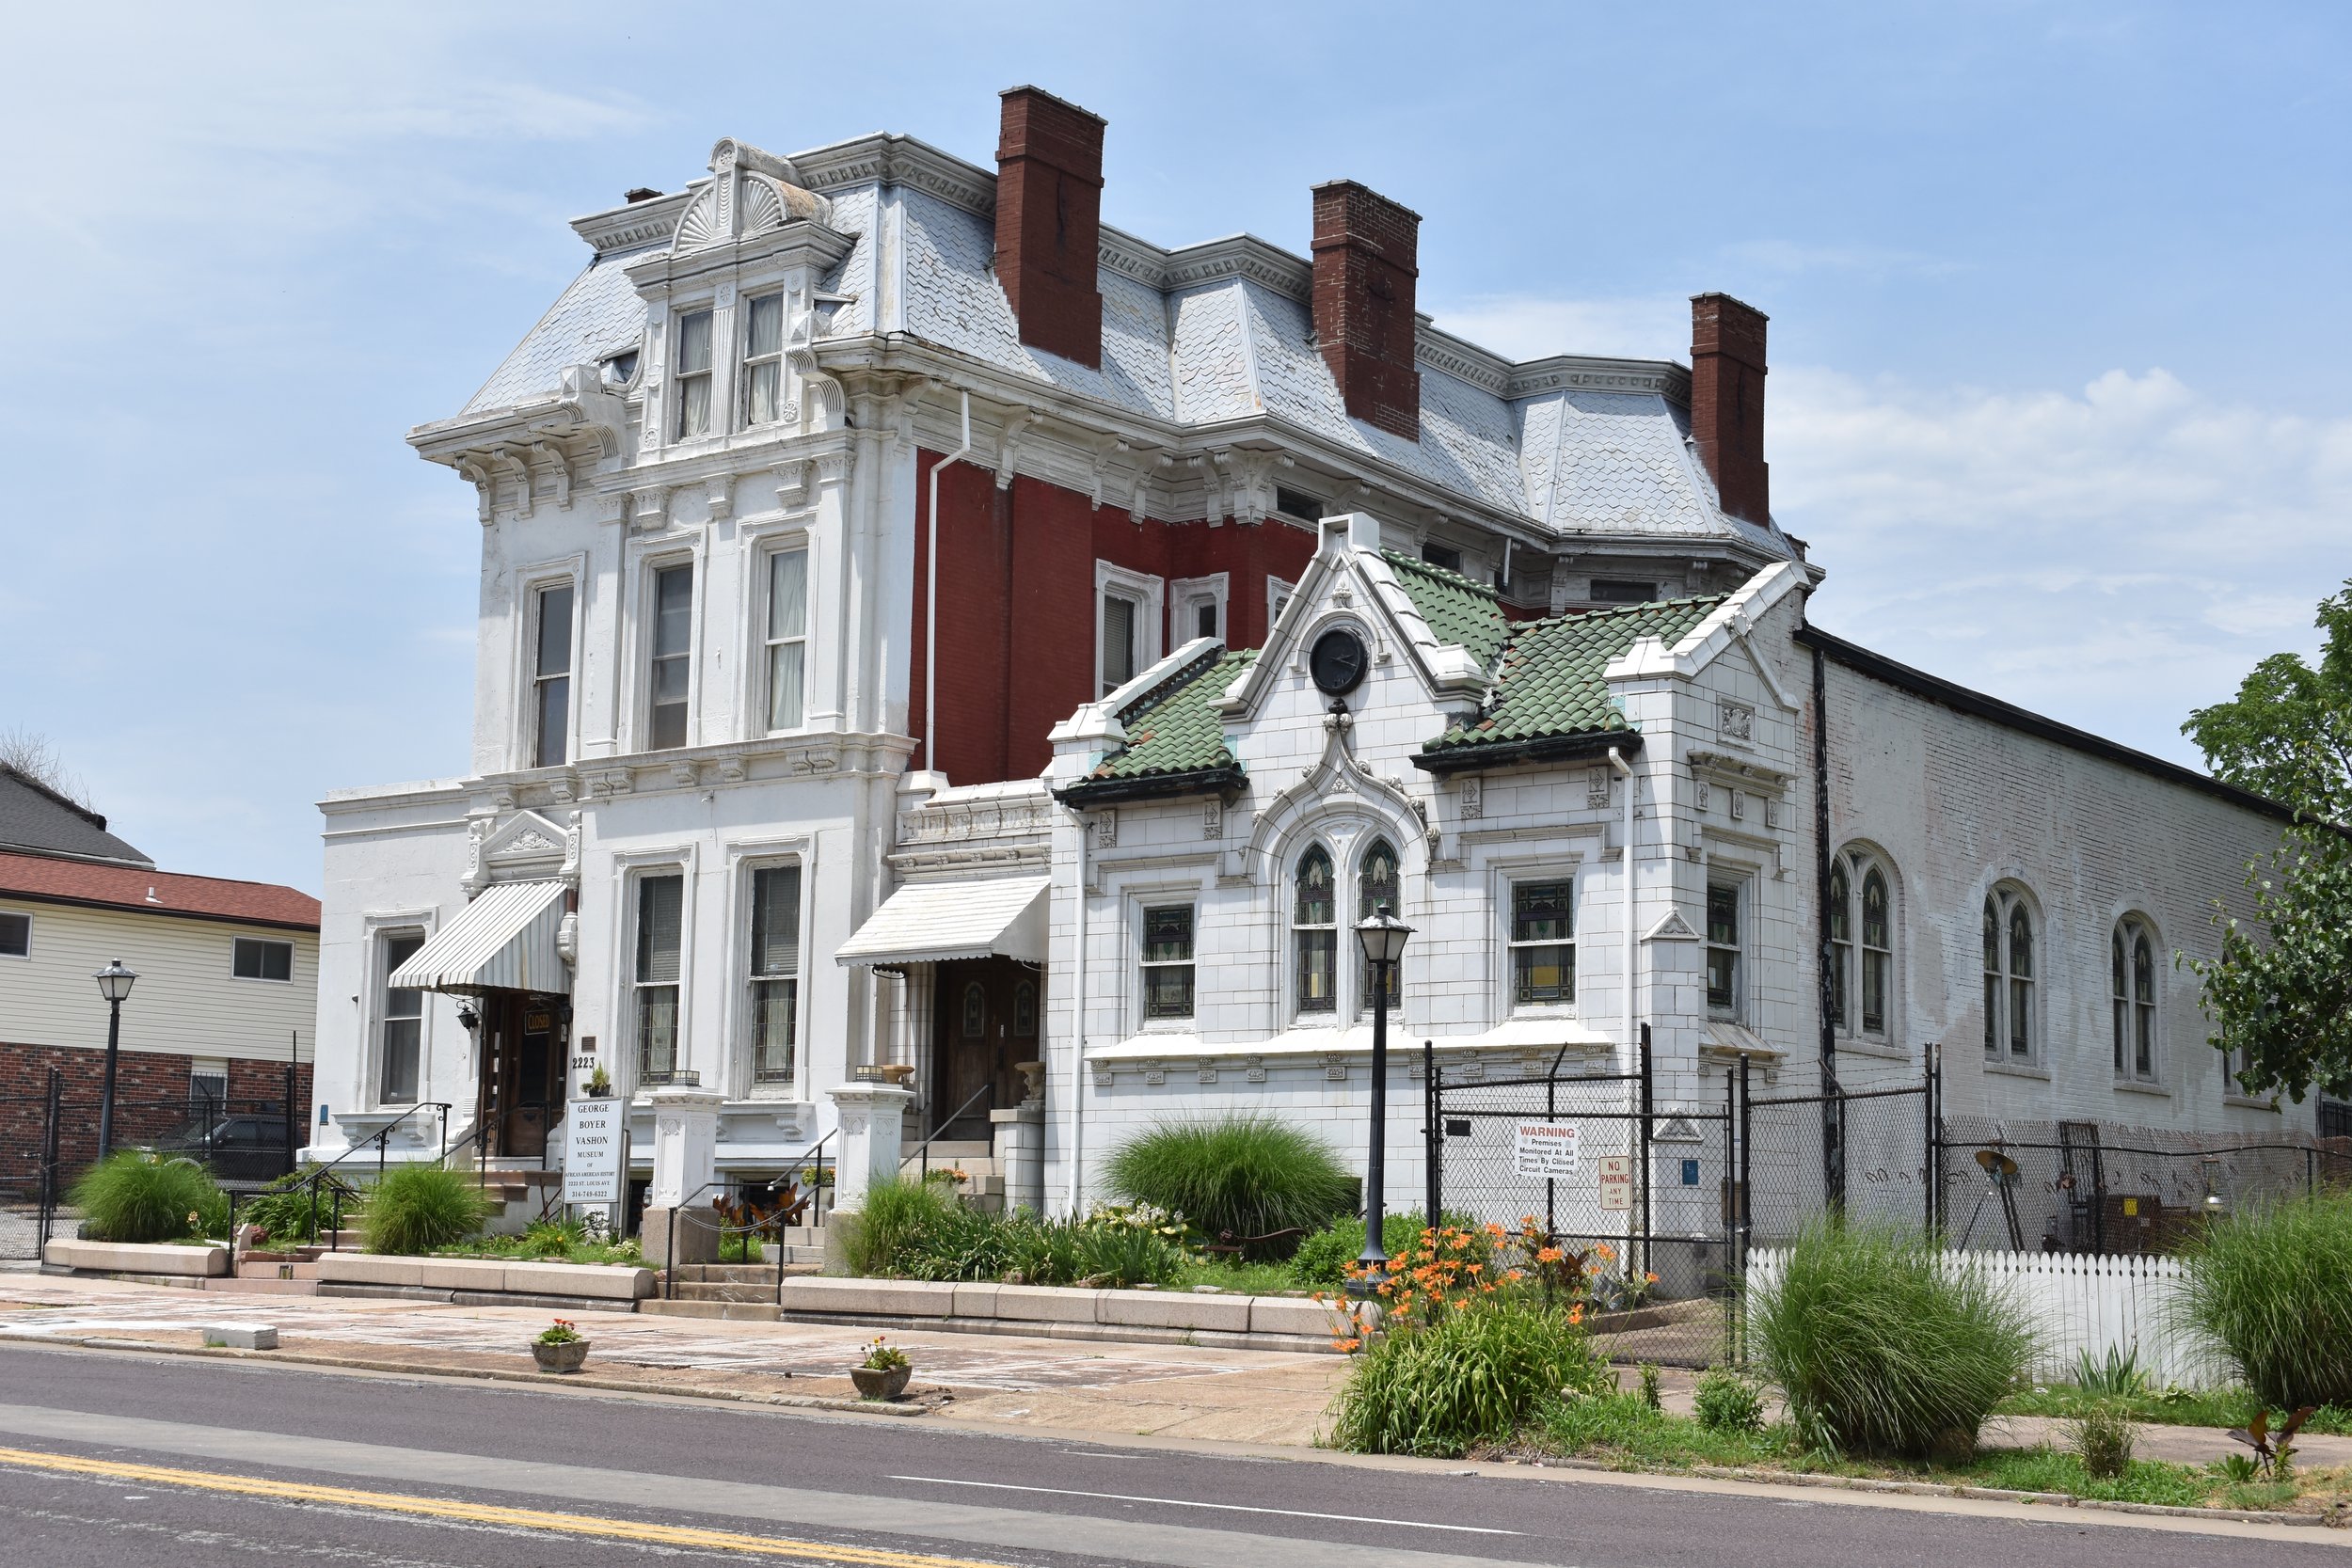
x=1382 y=938
x=113 y=984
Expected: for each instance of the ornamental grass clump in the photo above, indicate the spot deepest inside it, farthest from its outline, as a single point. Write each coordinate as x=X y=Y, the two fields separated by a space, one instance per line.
x=136 y=1197
x=1885 y=1345
x=1242 y=1178
x=2273 y=1287
x=419 y=1208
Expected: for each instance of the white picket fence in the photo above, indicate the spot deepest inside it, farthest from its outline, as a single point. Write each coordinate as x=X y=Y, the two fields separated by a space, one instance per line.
x=2080 y=1303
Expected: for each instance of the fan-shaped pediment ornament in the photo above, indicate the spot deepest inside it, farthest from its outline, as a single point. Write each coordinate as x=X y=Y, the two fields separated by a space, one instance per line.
x=702 y=225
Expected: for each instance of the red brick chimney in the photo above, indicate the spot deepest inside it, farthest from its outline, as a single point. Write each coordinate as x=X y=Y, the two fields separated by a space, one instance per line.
x=1727 y=402
x=1367 y=250
x=1049 y=222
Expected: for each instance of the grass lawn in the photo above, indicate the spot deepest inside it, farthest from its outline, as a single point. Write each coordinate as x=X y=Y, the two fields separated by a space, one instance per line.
x=2198 y=1407
x=1256 y=1279
x=1621 y=1431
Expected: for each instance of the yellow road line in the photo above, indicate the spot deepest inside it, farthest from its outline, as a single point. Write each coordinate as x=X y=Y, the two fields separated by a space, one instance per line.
x=483 y=1513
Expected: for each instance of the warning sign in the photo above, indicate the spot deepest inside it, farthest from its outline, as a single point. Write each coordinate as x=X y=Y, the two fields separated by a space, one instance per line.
x=1617 y=1183
x=1544 y=1148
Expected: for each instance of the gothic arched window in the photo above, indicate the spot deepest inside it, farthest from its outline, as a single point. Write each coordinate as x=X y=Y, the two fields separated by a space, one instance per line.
x=1878 y=951
x=1315 y=933
x=2009 y=975
x=1862 y=951
x=1378 y=888
x=2132 y=964
x=1840 y=942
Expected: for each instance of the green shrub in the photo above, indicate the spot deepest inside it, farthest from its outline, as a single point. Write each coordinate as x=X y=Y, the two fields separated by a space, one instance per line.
x=1473 y=1375
x=285 y=1210
x=1725 y=1402
x=418 y=1209
x=2113 y=1376
x=1323 y=1256
x=1885 y=1345
x=2273 y=1287
x=1120 y=1256
x=1243 y=1177
x=2103 y=1437
x=132 y=1197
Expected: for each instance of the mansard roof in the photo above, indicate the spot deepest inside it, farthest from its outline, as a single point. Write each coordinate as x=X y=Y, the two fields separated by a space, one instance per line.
x=1553 y=684
x=1209 y=336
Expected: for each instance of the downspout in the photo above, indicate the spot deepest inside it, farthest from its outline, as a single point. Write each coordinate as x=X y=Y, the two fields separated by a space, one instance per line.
x=931 y=600
x=1078 y=1036
x=1832 y=1121
x=1624 y=771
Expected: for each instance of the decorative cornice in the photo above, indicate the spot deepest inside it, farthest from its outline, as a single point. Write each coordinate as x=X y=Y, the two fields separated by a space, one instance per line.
x=1595 y=374
x=894 y=160
x=636 y=225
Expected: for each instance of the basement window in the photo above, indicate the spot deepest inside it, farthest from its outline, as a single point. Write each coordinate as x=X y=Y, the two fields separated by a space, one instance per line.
x=1297 y=503
x=1623 y=591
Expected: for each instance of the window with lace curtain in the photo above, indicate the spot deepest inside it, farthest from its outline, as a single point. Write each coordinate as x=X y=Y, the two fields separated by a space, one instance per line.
x=692 y=375
x=763 y=360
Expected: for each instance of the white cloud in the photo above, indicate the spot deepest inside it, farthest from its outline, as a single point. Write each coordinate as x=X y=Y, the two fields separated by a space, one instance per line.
x=2113 y=557
x=1523 y=326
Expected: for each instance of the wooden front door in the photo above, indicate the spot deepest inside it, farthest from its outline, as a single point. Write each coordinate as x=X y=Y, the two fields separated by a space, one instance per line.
x=986 y=1015
x=524 y=1037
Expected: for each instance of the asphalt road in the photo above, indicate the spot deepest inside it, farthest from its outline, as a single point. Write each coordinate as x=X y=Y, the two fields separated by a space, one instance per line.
x=128 y=1460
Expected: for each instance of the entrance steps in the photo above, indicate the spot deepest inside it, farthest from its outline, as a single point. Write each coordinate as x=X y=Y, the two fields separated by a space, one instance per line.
x=741 y=1292
x=975 y=1158
x=272 y=1274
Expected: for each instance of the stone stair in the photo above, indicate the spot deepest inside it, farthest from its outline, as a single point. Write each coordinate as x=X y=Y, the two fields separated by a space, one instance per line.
x=977 y=1159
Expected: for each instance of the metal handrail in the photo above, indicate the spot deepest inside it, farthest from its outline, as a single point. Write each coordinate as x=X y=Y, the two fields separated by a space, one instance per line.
x=381 y=1139
x=923 y=1149
x=813 y=1152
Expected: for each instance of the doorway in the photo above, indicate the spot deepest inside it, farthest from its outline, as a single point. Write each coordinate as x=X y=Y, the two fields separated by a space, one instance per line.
x=985 y=1017
x=525 y=1037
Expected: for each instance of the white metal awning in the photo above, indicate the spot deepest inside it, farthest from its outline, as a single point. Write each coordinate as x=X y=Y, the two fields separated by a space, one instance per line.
x=505 y=939
x=939 y=921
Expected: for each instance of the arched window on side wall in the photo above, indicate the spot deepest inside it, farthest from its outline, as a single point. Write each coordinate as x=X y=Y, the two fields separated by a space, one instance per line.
x=2010 y=1031
x=1315 y=934
x=1878 y=951
x=1840 y=943
x=1862 y=945
x=1379 y=887
x=2132 y=982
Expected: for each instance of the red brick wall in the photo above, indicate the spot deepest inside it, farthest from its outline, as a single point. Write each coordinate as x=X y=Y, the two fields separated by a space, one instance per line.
x=1016 y=605
x=1366 y=271
x=1049 y=203
x=155 y=1082
x=1727 y=403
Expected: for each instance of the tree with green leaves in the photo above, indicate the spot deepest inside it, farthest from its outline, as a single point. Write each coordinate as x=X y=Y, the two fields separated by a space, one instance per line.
x=2279 y=994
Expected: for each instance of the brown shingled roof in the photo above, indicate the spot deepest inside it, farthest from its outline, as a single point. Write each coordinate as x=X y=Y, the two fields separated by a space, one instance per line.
x=156 y=892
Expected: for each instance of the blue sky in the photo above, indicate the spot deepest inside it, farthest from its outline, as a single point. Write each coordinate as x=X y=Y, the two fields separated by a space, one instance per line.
x=2058 y=320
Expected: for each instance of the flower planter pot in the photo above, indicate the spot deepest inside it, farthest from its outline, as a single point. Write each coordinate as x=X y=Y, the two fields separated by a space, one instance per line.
x=875 y=1384
x=560 y=1359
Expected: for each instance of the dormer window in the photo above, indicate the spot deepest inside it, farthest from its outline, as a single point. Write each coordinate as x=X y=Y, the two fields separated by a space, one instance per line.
x=763 y=360
x=693 y=374
x=621 y=369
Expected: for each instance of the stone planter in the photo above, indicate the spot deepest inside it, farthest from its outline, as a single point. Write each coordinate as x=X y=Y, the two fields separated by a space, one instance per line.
x=875 y=1384
x=565 y=1357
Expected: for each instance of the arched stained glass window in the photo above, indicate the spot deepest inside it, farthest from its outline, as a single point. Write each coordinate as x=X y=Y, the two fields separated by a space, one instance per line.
x=2009 y=976
x=1840 y=942
x=1314 y=933
x=1376 y=888
x=1878 y=951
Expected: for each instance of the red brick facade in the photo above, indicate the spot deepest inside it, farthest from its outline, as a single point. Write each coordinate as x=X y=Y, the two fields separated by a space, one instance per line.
x=1049 y=216
x=150 y=1088
x=1367 y=266
x=1017 y=610
x=1727 y=402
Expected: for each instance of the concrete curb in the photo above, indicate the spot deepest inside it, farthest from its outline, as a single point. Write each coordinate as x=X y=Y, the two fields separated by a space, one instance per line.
x=407 y=1369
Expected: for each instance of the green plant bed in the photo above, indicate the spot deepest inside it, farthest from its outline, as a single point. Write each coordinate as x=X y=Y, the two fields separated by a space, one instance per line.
x=134 y=1196
x=914 y=1230
x=2193 y=1407
x=421 y=1209
x=1250 y=1280
x=1243 y=1177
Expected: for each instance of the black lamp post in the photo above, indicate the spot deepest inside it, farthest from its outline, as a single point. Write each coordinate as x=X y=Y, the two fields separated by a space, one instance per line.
x=113 y=984
x=1382 y=938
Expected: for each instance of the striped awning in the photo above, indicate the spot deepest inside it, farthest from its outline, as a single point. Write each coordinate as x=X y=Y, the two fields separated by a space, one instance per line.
x=505 y=939
x=939 y=921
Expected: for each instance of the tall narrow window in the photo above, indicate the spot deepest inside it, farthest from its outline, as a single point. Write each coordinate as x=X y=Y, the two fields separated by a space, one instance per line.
x=1314 y=933
x=2132 y=961
x=551 y=679
x=693 y=374
x=775 y=971
x=1878 y=951
x=1992 y=975
x=1723 y=950
x=763 y=360
x=2020 y=980
x=1168 y=961
x=1205 y=618
x=660 y=918
x=1378 y=888
x=672 y=654
x=2009 y=976
x=1840 y=942
x=1543 y=947
x=788 y=639
x=402 y=1025
x=1118 y=641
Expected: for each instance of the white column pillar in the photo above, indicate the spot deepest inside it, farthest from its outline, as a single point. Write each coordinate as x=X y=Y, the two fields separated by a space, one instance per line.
x=872 y=1118
x=684 y=1161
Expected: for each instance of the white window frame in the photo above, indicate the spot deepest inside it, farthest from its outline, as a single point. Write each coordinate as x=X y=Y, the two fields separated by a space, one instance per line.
x=1149 y=594
x=633 y=875
x=2130 y=1016
x=788 y=1082
x=752 y=362
x=380 y=1017
x=714 y=420
x=1508 y=912
x=1356 y=910
x=649 y=601
x=534 y=585
x=1185 y=595
x=1294 y=972
x=1742 y=887
x=2008 y=899
x=213 y=1069
x=1143 y=905
x=235 y=942
x=1277 y=595
x=26 y=916
x=801 y=545
x=1852 y=953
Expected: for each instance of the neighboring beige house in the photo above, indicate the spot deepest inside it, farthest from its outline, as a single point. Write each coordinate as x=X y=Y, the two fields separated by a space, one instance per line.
x=227 y=994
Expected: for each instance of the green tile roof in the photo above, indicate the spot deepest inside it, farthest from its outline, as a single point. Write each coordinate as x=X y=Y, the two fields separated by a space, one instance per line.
x=1457 y=610
x=1552 y=681
x=1175 y=727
